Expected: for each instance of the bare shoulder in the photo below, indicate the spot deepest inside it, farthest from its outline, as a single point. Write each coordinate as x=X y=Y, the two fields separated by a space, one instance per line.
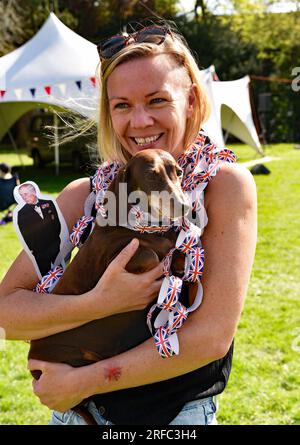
x=72 y=198
x=233 y=185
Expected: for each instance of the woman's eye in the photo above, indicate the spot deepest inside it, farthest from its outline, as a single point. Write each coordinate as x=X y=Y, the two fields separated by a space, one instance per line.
x=157 y=100
x=121 y=105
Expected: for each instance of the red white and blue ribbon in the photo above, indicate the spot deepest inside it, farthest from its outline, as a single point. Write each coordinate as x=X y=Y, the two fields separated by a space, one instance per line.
x=169 y=293
x=179 y=317
x=79 y=228
x=167 y=260
x=188 y=239
x=194 y=265
x=173 y=313
x=163 y=344
x=139 y=221
x=200 y=163
x=48 y=281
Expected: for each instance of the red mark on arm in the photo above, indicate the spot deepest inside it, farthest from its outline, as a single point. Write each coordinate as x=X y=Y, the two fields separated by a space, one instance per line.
x=113 y=373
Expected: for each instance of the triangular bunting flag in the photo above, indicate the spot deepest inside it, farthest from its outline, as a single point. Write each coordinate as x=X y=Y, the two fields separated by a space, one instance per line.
x=32 y=91
x=2 y=92
x=18 y=93
x=61 y=87
x=93 y=80
x=78 y=83
x=48 y=90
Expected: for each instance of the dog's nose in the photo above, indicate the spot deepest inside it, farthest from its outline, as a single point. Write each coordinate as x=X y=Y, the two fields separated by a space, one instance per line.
x=179 y=209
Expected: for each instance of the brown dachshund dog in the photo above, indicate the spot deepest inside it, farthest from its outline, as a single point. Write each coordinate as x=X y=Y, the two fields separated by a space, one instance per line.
x=149 y=170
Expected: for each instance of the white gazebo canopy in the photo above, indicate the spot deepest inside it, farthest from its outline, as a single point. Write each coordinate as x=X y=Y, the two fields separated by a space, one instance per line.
x=55 y=67
x=231 y=109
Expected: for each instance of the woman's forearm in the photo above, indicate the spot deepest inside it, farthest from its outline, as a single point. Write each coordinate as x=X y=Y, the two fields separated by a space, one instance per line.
x=143 y=365
x=25 y=315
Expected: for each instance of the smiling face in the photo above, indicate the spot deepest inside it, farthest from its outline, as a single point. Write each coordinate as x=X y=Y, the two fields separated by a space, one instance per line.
x=150 y=100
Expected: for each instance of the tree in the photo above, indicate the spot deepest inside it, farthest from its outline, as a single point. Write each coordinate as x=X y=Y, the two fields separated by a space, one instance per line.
x=12 y=32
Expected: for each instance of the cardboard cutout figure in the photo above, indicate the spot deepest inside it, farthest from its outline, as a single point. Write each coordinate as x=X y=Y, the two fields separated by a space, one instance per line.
x=41 y=228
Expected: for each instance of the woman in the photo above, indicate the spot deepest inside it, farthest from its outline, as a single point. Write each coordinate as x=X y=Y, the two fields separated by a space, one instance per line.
x=151 y=98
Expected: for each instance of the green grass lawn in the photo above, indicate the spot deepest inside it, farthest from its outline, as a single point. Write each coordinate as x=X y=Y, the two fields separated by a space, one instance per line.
x=264 y=383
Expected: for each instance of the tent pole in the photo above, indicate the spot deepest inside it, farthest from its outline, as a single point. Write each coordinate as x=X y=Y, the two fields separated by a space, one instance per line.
x=229 y=124
x=56 y=145
x=13 y=142
x=256 y=120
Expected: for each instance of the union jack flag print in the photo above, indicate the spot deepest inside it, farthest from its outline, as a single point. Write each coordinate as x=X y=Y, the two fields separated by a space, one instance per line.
x=151 y=229
x=200 y=139
x=79 y=228
x=195 y=265
x=167 y=262
x=104 y=175
x=47 y=283
x=227 y=156
x=162 y=343
x=180 y=315
x=172 y=294
x=200 y=163
x=209 y=152
x=189 y=242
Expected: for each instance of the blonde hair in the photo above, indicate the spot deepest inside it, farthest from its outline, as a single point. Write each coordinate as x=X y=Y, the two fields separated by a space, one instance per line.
x=108 y=144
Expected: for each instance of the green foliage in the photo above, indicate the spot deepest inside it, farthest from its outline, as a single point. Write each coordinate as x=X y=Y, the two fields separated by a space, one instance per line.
x=12 y=33
x=264 y=383
x=275 y=36
x=214 y=42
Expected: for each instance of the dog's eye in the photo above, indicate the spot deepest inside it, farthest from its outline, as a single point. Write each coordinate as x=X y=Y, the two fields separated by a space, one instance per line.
x=151 y=175
x=179 y=172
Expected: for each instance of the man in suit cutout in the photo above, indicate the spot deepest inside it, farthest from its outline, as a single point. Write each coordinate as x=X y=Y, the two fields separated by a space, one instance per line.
x=40 y=227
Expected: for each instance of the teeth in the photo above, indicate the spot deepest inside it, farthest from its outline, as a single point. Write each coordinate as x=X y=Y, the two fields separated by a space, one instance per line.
x=143 y=141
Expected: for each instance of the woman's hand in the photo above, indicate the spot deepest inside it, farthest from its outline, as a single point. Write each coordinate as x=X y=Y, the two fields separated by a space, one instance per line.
x=121 y=291
x=60 y=387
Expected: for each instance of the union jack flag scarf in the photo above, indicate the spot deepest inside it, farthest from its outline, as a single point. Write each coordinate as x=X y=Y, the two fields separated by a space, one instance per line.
x=200 y=163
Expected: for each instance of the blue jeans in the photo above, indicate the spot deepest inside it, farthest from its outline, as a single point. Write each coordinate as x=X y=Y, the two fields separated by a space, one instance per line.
x=197 y=412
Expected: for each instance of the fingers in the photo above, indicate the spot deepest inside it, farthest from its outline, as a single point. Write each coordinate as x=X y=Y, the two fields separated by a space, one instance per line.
x=126 y=254
x=154 y=273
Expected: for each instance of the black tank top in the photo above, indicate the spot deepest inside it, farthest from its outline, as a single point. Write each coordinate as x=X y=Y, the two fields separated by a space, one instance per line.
x=159 y=403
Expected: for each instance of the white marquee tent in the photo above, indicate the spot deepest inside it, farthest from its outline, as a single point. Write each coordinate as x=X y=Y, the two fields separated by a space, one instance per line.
x=57 y=67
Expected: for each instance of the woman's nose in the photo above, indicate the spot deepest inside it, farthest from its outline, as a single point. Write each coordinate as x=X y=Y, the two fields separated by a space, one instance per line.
x=141 y=118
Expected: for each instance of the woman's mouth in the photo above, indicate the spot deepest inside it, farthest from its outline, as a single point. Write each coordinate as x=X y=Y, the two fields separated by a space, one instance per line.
x=146 y=141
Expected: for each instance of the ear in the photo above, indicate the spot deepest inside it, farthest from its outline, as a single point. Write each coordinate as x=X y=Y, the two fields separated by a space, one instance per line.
x=191 y=100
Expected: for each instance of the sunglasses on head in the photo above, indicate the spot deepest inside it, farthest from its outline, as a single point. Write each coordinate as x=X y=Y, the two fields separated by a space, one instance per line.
x=150 y=34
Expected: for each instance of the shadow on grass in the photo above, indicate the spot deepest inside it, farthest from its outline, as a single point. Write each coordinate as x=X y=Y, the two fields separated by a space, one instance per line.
x=46 y=178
